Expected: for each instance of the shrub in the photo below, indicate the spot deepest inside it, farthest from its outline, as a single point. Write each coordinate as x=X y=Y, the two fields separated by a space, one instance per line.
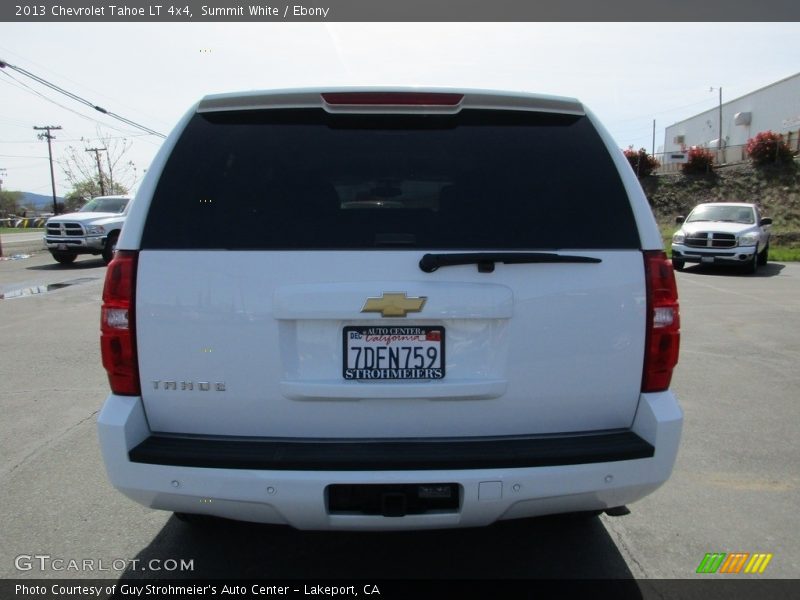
x=699 y=160
x=641 y=162
x=768 y=147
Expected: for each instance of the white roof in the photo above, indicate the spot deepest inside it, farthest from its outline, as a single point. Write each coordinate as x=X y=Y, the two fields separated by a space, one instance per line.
x=739 y=204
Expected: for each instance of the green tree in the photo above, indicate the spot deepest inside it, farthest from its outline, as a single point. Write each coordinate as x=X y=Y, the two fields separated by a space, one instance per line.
x=9 y=203
x=83 y=191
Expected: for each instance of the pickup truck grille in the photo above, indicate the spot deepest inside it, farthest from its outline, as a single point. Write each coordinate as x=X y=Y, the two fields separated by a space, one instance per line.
x=64 y=229
x=711 y=240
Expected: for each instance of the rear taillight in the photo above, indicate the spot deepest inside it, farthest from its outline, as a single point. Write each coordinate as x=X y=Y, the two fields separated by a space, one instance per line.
x=663 y=322
x=117 y=326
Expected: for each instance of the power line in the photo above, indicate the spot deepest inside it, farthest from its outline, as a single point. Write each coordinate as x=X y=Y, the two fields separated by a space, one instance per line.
x=26 y=167
x=14 y=122
x=21 y=156
x=661 y=112
x=80 y=84
x=128 y=133
x=26 y=87
x=77 y=98
x=116 y=137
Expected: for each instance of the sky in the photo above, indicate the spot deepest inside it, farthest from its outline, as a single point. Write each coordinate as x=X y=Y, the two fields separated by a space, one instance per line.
x=628 y=74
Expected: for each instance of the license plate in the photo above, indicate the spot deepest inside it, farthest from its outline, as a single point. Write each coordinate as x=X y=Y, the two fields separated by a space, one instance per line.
x=707 y=259
x=62 y=246
x=393 y=352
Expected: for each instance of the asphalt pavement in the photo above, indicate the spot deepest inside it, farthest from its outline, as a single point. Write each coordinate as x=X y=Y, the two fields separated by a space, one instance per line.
x=22 y=242
x=736 y=485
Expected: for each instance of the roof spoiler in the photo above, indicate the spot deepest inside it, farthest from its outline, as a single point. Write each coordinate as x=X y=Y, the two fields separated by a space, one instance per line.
x=390 y=101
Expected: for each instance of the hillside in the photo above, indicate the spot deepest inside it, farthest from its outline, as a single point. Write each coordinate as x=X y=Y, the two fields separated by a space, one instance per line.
x=776 y=190
x=38 y=202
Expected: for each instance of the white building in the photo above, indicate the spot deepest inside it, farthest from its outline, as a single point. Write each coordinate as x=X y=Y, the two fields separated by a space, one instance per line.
x=775 y=107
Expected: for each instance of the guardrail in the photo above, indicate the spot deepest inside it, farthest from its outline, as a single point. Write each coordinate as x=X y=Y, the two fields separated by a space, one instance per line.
x=24 y=223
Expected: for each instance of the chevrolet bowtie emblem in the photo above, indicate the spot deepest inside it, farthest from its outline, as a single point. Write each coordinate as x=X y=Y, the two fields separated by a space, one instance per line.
x=394 y=304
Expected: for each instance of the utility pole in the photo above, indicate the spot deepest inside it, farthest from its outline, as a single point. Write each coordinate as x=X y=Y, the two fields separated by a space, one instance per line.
x=719 y=137
x=653 y=152
x=2 y=172
x=47 y=136
x=97 y=152
x=719 y=141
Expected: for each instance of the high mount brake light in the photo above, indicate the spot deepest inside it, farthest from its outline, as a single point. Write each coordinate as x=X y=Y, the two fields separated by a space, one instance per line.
x=392 y=99
x=662 y=340
x=118 y=326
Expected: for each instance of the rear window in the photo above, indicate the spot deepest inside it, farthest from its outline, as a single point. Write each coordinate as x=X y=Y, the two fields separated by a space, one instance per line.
x=305 y=179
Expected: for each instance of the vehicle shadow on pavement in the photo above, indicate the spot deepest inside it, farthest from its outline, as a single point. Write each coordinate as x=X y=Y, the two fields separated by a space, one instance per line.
x=768 y=270
x=550 y=547
x=76 y=266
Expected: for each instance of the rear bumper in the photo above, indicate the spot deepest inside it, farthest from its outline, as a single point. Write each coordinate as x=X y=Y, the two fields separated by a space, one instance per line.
x=287 y=482
x=396 y=455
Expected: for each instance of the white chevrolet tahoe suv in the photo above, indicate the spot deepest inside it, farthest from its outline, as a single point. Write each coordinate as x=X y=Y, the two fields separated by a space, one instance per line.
x=389 y=309
x=94 y=229
x=726 y=233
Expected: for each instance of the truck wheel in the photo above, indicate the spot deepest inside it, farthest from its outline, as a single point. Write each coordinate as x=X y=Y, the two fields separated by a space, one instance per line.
x=64 y=258
x=752 y=265
x=111 y=247
x=763 y=256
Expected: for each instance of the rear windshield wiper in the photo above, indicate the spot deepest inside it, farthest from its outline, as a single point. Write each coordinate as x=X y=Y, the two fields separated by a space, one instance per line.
x=486 y=260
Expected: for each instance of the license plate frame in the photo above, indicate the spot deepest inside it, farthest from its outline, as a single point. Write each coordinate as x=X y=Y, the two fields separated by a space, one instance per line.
x=398 y=361
x=707 y=260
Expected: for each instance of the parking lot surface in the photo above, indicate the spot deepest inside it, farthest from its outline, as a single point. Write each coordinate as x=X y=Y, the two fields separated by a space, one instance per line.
x=22 y=242
x=736 y=486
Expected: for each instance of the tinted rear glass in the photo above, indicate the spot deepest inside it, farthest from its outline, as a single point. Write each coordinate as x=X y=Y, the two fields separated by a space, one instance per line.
x=304 y=179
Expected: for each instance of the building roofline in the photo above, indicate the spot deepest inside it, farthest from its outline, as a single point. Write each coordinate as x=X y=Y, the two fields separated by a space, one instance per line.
x=731 y=101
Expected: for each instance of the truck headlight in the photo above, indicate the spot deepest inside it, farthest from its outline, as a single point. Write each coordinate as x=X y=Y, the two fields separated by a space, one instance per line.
x=678 y=238
x=95 y=229
x=748 y=239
